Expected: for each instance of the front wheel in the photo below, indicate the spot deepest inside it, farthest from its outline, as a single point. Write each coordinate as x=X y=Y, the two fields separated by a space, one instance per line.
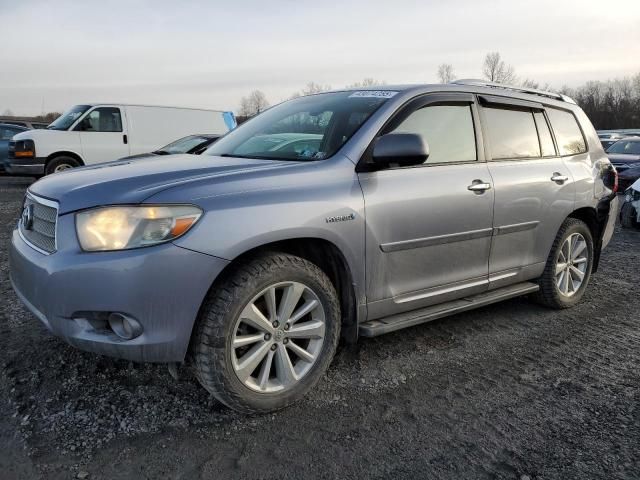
x=266 y=333
x=60 y=164
x=568 y=269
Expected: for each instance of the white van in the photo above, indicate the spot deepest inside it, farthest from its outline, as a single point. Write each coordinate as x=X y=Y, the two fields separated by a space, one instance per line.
x=95 y=133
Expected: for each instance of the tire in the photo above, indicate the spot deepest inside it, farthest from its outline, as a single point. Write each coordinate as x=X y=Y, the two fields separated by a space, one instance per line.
x=551 y=293
x=61 y=163
x=218 y=364
x=628 y=216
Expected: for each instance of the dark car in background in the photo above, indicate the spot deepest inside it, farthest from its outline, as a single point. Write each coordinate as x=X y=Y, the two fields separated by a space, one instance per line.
x=27 y=124
x=609 y=137
x=7 y=131
x=625 y=156
x=191 y=144
x=630 y=211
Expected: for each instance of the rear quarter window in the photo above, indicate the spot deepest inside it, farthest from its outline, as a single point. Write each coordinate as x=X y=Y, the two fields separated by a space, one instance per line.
x=567 y=131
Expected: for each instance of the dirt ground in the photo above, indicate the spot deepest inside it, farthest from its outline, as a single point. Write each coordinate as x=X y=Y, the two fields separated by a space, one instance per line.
x=512 y=390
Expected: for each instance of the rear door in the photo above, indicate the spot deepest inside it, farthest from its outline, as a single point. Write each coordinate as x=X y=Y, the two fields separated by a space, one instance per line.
x=429 y=227
x=534 y=189
x=103 y=135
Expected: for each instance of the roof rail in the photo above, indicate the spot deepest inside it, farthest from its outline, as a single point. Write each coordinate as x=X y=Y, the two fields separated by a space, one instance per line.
x=484 y=83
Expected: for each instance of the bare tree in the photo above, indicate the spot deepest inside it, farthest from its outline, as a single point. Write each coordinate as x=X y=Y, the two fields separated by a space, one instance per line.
x=495 y=69
x=253 y=104
x=445 y=73
x=310 y=89
x=7 y=113
x=528 y=83
x=367 y=82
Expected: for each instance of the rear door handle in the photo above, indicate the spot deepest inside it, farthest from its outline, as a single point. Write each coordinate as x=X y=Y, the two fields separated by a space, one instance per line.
x=479 y=186
x=559 y=178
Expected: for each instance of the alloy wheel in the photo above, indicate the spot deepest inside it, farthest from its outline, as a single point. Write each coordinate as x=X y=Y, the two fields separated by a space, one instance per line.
x=572 y=263
x=278 y=337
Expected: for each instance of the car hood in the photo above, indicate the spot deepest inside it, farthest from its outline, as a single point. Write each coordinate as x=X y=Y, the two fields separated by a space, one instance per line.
x=623 y=158
x=133 y=181
x=41 y=133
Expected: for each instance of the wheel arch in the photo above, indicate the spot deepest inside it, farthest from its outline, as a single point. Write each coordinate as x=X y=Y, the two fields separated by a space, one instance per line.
x=326 y=255
x=64 y=154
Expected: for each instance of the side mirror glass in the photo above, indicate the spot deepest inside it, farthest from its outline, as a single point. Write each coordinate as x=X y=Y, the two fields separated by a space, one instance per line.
x=400 y=149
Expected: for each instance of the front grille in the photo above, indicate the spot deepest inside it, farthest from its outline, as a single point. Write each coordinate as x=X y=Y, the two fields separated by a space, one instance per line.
x=40 y=230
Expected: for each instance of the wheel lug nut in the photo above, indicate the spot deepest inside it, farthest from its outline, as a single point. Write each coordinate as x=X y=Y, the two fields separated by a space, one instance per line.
x=285 y=340
x=286 y=326
x=267 y=336
x=274 y=346
x=276 y=324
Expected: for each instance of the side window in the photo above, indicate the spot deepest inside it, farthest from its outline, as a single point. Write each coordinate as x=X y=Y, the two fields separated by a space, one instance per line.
x=448 y=129
x=512 y=133
x=568 y=133
x=546 y=142
x=103 y=119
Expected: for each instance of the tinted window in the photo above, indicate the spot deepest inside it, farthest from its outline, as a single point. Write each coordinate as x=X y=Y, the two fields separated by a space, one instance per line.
x=103 y=119
x=512 y=133
x=448 y=129
x=546 y=142
x=568 y=134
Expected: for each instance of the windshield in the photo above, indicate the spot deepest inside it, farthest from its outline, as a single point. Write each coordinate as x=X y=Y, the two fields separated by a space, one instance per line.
x=630 y=147
x=306 y=128
x=184 y=145
x=64 y=121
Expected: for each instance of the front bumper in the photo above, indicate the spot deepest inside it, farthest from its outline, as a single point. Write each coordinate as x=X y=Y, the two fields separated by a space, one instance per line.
x=25 y=166
x=162 y=287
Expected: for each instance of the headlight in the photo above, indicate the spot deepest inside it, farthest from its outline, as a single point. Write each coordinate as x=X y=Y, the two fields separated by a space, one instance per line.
x=22 y=149
x=119 y=228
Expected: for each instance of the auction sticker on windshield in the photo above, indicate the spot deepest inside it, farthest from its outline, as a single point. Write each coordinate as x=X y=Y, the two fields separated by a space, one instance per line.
x=373 y=94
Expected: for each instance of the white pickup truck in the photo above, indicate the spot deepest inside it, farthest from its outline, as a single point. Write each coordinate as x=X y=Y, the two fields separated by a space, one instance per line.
x=95 y=133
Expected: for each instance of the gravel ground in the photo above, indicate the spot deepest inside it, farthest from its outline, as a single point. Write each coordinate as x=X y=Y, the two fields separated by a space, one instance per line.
x=512 y=390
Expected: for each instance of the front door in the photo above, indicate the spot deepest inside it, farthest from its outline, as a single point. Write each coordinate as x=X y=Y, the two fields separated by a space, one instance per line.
x=102 y=135
x=429 y=227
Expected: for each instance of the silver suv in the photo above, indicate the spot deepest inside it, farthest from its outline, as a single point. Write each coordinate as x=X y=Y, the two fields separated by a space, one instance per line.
x=343 y=214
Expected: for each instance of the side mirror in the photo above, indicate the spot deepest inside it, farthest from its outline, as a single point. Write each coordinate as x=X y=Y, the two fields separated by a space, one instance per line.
x=401 y=149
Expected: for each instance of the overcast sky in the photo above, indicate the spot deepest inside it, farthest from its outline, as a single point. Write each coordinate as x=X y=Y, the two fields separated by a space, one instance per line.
x=209 y=54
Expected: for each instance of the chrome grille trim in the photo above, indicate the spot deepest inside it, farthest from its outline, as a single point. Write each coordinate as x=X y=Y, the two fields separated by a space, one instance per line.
x=42 y=237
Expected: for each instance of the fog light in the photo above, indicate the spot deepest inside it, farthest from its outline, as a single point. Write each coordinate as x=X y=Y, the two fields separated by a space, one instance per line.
x=125 y=327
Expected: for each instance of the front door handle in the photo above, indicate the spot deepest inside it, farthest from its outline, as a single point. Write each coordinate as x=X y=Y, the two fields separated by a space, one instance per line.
x=559 y=178
x=479 y=186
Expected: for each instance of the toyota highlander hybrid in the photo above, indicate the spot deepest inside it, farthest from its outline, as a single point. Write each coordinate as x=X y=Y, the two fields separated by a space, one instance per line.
x=386 y=208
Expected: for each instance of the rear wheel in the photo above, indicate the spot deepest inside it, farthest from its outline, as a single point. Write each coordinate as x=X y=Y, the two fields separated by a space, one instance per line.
x=61 y=163
x=267 y=333
x=568 y=269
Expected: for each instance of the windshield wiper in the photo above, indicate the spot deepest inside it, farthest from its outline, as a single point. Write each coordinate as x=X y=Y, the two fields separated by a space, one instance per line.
x=161 y=152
